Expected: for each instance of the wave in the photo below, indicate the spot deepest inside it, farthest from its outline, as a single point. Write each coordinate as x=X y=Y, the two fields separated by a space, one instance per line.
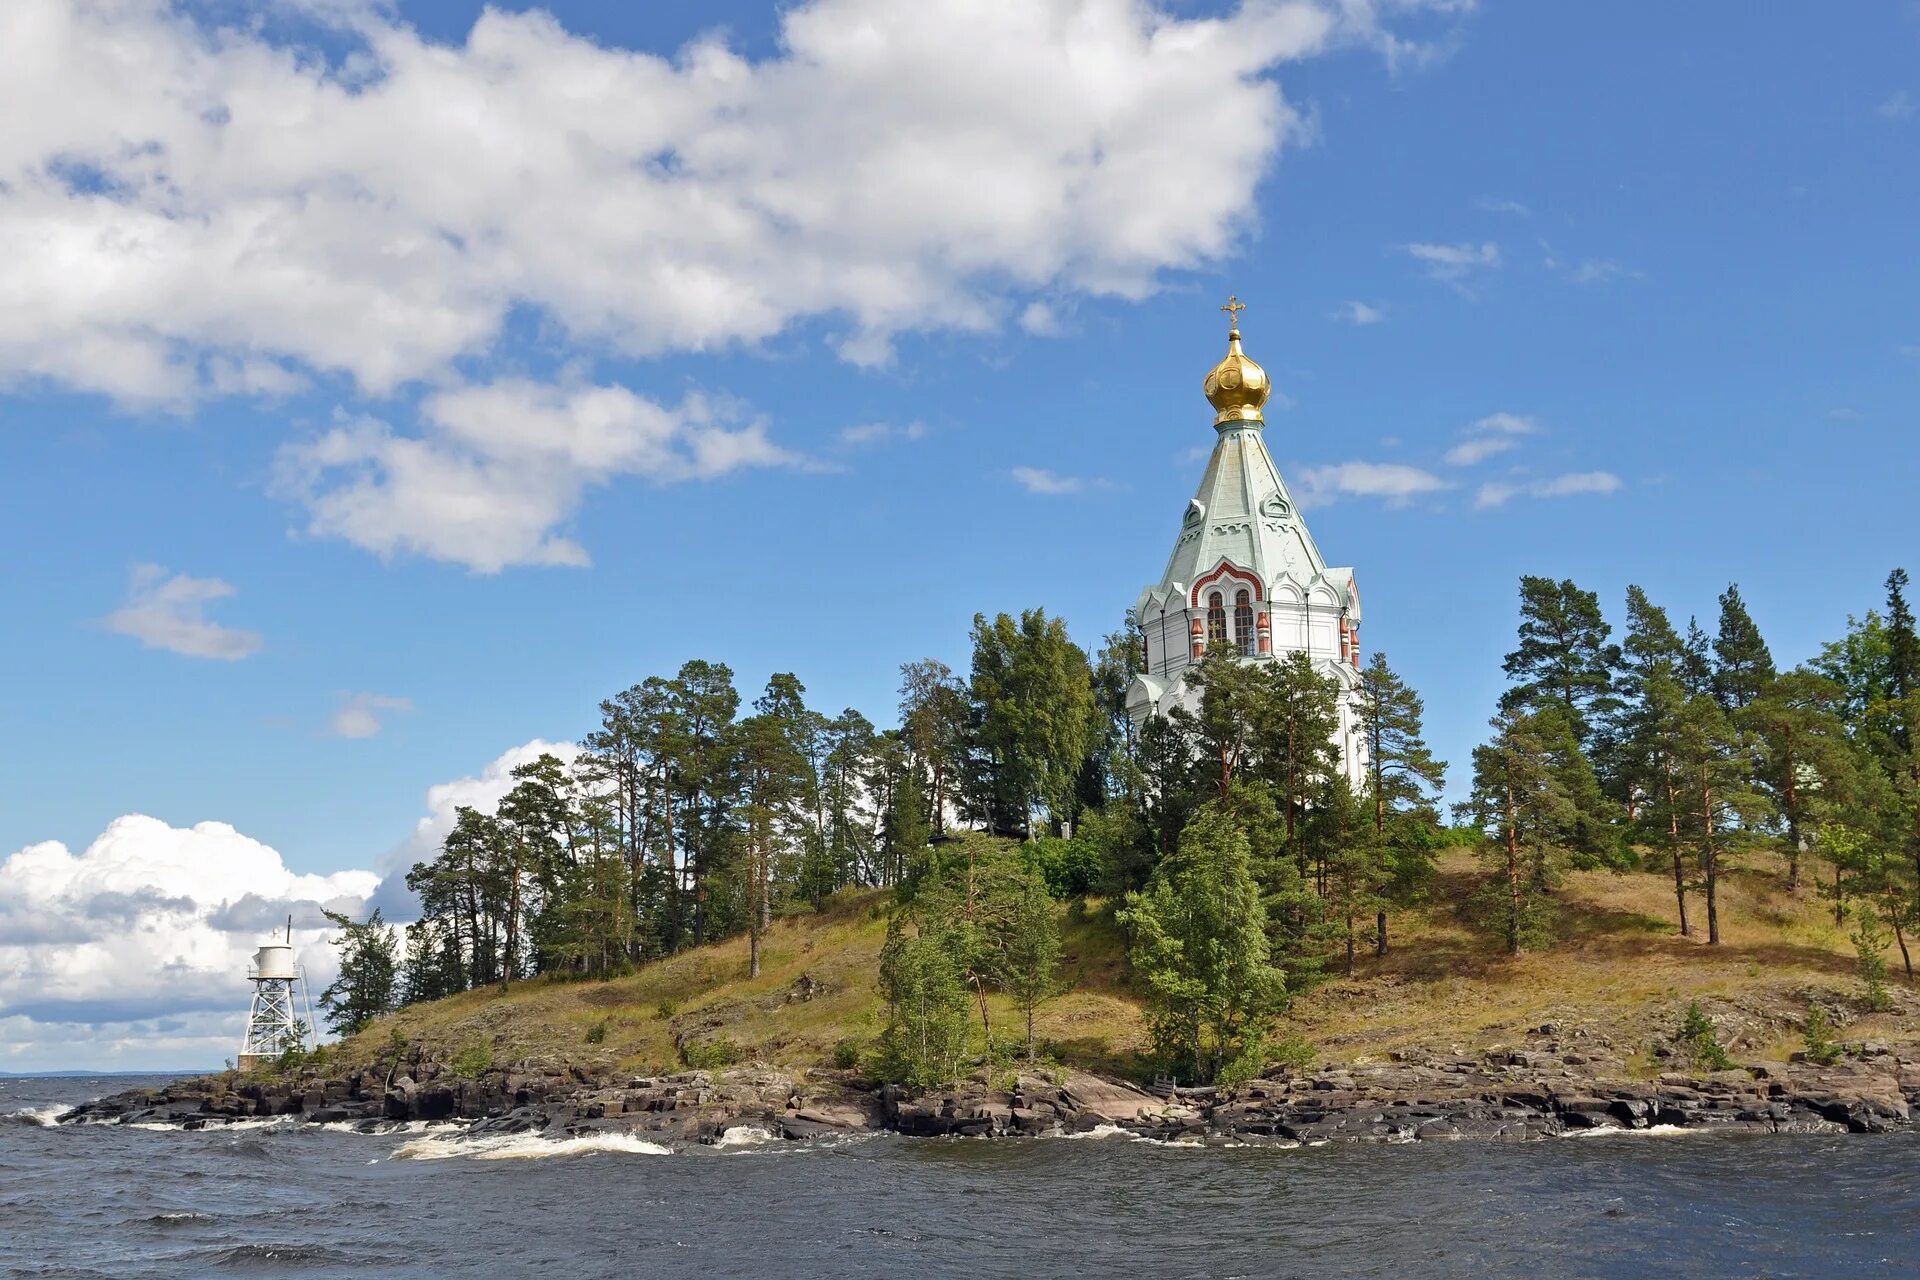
x=39 y=1117
x=1654 y=1131
x=745 y=1135
x=527 y=1146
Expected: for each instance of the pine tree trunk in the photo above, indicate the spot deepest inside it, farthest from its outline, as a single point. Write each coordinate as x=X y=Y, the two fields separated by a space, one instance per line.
x=1673 y=834
x=1513 y=876
x=1710 y=861
x=1349 y=944
x=1380 y=933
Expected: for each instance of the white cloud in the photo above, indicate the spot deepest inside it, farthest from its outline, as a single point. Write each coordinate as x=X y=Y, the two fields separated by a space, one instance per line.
x=1358 y=313
x=870 y=433
x=1469 y=452
x=1039 y=480
x=1898 y=105
x=192 y=211
x=170 y=613
x=1495 y=494
x=1454 y=263
x=359 y=715
x=500 y=466
x=1041 y=320
x=133 y=952
x=1492 y=204
x=1395 y=482
x=1494 y=434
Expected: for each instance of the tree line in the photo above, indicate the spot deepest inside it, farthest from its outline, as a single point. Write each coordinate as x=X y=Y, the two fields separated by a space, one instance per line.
x=1240 y=860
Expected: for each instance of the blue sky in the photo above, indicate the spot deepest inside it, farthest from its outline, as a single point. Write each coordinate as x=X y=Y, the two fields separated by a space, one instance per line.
x=1668 y=252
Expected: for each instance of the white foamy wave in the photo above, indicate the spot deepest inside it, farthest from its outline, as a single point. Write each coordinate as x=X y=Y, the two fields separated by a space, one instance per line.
x=745 y=1135
x=527 y=1146
x=1100 y=1131
x=41 y=1117
x=1655 y=1131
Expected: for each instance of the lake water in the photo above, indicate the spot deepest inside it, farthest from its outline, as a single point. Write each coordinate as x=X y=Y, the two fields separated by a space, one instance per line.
x=284 y=1198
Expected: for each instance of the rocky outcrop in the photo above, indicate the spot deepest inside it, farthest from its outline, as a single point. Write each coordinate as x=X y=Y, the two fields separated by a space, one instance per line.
x=1545 y=1087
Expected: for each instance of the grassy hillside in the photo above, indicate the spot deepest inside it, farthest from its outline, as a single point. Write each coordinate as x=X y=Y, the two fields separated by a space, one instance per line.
x=1620 y=970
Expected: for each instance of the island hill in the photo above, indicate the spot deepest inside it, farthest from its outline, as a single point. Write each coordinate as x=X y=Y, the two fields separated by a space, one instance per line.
x=1671 y=894
x=1446 y=1036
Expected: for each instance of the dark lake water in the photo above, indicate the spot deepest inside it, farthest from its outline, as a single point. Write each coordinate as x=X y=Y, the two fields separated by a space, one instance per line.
x=284 y=1198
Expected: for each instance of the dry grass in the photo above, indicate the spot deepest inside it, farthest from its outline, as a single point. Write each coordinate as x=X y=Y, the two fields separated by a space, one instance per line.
x=1620 y=969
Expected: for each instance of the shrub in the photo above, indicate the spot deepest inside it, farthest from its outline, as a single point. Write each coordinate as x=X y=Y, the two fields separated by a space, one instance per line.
x=473 y=1059
x=666 y=1009
x=597 y=1033
x=1870 y=941
x=846 y=1055
x=703 y=1055
x=1071 y=868
x=1698 y=1037
x=1821 y=1048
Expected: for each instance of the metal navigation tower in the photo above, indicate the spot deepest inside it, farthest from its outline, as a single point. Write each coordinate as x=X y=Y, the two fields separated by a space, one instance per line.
x=272 y=1025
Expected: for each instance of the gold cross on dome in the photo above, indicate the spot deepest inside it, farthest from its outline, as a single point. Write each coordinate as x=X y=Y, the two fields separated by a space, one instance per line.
x=1233 y=309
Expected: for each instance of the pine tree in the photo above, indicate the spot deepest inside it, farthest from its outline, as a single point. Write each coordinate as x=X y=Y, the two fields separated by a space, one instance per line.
x=1029 y=945
x=1720 y=807
x=1802 y=742
x=1743 y=666
x=1401 y=773
x=1696 y=666
x=1299 y=713
x=1522 y=811
x=1563 y=654
x=1200 y=947
x=367 y=985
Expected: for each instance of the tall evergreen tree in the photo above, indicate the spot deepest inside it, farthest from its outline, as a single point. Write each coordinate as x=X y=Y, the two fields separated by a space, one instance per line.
x=1200 y=947
x=1402 y=777
x=1743 y=666
x=1696 y=666
x=1522 y=811
x=1721 y=807
x=367 y=985
x=1563 y=655
x=1803 y=742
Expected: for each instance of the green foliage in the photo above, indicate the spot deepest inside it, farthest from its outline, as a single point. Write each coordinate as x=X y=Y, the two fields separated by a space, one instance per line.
x=1563 y=656
x=1702 y=1042
x=1870 y=937
x=666 y=1009
x=1025 y=937
x=1033 y=720
x=710 y=1054
x=1520 y=805
x=597 y=1033
x=368 y=983
x=1200 y=948
x=1742 y=665
x=1821 y=1046
x=921 y=976
x=846 y=1055
x=1071 y=868
x=472 y=1060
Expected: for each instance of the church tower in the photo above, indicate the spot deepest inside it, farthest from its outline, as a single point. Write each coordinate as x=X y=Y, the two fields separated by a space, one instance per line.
x=1244 y=572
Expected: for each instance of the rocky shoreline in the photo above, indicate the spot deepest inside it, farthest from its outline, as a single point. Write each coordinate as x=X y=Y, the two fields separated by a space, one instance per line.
x=1548 y=1087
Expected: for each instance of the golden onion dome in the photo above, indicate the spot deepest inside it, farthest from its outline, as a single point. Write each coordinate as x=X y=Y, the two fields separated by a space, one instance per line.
x=1237 y=387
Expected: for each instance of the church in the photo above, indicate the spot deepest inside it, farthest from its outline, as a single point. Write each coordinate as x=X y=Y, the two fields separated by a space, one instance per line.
x=1245 y=572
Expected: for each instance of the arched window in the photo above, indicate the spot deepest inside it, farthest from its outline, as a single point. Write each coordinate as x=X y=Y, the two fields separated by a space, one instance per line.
x=1216 y=619
x=1243 y=623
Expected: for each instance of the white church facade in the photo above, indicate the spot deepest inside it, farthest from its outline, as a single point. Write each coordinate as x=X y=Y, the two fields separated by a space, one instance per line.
x=1245 y=573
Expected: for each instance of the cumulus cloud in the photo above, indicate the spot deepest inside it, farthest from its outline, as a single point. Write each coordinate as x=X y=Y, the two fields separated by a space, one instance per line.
x=497 y=468
x=133 y=952
x=1489 y=436
x=871 y=433
x=1454 y=263
x=1359 y=313
x=360 y=715
x=1494 y=494
x=170 y=613
x=1396 y=483
x=192 y=209
x=149 y=924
